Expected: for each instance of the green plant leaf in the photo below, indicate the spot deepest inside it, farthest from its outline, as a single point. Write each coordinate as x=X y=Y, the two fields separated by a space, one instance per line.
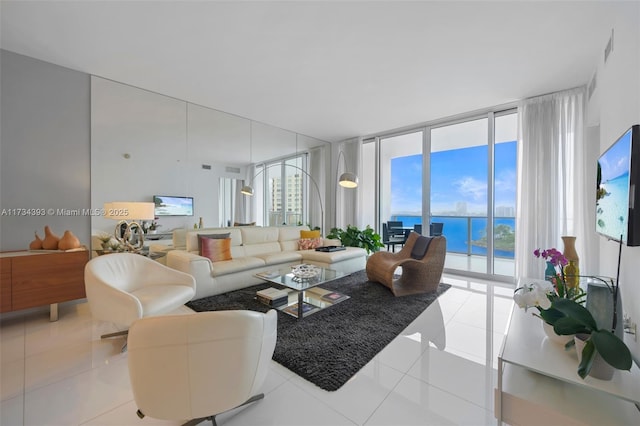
x=574 y=310
x=569 y=345
x=588 y=355
x=567 y=325
x=551 y=315
x=612 y=349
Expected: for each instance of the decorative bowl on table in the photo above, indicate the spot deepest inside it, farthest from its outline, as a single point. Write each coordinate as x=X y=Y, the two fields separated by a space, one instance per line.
x=305 y=271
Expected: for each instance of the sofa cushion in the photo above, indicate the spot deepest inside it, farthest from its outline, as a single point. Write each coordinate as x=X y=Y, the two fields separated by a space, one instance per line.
x=216 y=249
x=310 y=234
x=180 y=239
x=260 y=249
x=282 y=257
x=236 y=265
x=309 y=243
x=289 y=236
x=251 y=236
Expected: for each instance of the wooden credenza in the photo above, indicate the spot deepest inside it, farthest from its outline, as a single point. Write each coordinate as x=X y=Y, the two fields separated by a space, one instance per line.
x=32 y=278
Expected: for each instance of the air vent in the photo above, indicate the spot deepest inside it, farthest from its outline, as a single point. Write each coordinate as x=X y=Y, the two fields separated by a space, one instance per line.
x=229 y=169
x=592 y=85
x=206 y=166
x=609 y=48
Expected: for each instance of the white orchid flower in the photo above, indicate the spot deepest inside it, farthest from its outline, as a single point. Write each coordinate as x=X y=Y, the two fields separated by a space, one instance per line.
x=535 y=294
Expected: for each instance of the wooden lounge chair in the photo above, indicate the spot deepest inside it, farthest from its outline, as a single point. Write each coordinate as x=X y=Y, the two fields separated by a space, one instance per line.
x=419 y=275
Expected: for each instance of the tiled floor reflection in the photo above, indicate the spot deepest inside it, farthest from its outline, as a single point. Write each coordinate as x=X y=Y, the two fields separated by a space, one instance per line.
x=440 y=370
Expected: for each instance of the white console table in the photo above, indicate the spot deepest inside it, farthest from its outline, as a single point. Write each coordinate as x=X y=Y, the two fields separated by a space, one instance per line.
x=538 y=383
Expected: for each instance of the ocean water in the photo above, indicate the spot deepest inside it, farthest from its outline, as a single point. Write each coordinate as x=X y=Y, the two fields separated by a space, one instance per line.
x=456 y=230
x=612 y=211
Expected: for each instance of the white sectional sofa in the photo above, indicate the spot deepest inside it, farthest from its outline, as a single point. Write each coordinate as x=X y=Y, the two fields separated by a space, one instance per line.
x=253 y=250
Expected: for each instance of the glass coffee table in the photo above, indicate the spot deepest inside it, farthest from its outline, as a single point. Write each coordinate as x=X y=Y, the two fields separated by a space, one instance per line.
x=305 y=295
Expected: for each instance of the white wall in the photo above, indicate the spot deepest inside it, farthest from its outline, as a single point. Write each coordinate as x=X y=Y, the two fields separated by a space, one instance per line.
x=146 y=144
x=615 y=106
x=44 y=149
x=66 y=135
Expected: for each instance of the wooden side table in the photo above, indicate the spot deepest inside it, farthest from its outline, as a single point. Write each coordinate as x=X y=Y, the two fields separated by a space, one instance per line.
x=34 y=278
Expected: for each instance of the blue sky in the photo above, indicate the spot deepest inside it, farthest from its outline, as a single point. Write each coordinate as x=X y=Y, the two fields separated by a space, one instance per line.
x=615 y=161
x=456 y=175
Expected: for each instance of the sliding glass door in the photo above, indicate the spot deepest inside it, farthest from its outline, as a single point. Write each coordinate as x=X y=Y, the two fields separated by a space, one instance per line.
x=401 y=179
x=459 y=192
x=465 y=188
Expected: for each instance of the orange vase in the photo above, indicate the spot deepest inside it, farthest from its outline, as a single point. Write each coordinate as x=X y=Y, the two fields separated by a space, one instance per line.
x=572 y=269
x=50 y=241
x=36 y=244
x=68 y=241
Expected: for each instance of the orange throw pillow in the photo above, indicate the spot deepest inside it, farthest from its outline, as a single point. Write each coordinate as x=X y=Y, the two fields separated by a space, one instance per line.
x=216 y=249
x=309 y=243
x=310 y=234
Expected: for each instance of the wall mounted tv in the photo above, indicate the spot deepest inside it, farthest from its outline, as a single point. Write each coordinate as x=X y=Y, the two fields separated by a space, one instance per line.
x=167 y=205
x=618 y=189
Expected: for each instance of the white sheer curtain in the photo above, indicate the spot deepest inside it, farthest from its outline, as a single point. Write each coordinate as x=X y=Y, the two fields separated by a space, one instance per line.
x=239 y=202
x=555 y=180
x=347 y=204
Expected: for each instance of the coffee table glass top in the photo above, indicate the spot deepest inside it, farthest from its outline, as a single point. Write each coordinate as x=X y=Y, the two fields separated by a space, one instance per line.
x=286 y=278
x=305 y=296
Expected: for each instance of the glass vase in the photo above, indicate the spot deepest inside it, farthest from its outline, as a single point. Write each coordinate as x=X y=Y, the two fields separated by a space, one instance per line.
x=550 y=272
x=572 y=269
x=571 y=274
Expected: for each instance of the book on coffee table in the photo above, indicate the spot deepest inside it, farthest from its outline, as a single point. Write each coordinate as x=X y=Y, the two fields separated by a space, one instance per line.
x=272 y=296
x=268 y=274
x=334 y=296
x=306 y=308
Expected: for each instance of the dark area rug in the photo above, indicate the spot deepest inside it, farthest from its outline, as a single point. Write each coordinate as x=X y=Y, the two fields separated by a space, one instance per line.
x=330 y=346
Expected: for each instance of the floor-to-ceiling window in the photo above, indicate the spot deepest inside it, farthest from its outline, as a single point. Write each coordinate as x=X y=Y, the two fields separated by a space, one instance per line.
x=285 y=191
x=401 y=178
x=466 y=185
x=459 y=191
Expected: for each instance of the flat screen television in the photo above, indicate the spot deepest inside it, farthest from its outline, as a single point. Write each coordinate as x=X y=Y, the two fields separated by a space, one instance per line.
x=168 y=205
x=618 y=189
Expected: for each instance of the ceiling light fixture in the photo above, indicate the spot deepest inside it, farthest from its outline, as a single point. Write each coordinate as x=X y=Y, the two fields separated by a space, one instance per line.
x=347 y=179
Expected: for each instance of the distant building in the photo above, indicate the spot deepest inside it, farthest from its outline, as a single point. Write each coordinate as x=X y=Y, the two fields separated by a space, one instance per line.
x=505 y=211
x=291 y=213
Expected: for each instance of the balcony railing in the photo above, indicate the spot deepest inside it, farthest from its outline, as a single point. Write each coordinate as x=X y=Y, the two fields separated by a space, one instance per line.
x=467 y=234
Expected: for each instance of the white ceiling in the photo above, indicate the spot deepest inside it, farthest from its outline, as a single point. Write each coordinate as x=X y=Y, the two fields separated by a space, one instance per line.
x=330 y=70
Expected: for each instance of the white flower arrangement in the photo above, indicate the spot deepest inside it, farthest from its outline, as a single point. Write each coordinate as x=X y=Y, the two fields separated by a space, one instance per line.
x=535 y=294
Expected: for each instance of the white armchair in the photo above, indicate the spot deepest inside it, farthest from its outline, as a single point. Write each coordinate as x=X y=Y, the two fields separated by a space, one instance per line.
x=124 y=287
x=197 y=366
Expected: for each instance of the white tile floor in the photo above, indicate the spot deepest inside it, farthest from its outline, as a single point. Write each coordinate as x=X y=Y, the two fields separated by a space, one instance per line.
x=440 y=370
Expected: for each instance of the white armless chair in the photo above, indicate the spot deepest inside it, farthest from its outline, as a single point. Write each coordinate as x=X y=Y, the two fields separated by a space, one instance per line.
x=196 y=366
x=123 y=287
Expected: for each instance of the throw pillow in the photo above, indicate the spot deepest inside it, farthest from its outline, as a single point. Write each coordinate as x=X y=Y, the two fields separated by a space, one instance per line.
x=310 y=234
x=216 y=249
x=212 y=236
x=420 y=247
x=309 y=243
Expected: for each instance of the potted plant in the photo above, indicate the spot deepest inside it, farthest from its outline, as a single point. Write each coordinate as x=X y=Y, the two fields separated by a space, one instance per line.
x=153 y=226
x=366 y=238
x=576 y=319
x=559 y=304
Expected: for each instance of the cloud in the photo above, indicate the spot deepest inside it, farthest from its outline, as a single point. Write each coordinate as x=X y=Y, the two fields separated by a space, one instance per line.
x=470 y=187
x=506 y=181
